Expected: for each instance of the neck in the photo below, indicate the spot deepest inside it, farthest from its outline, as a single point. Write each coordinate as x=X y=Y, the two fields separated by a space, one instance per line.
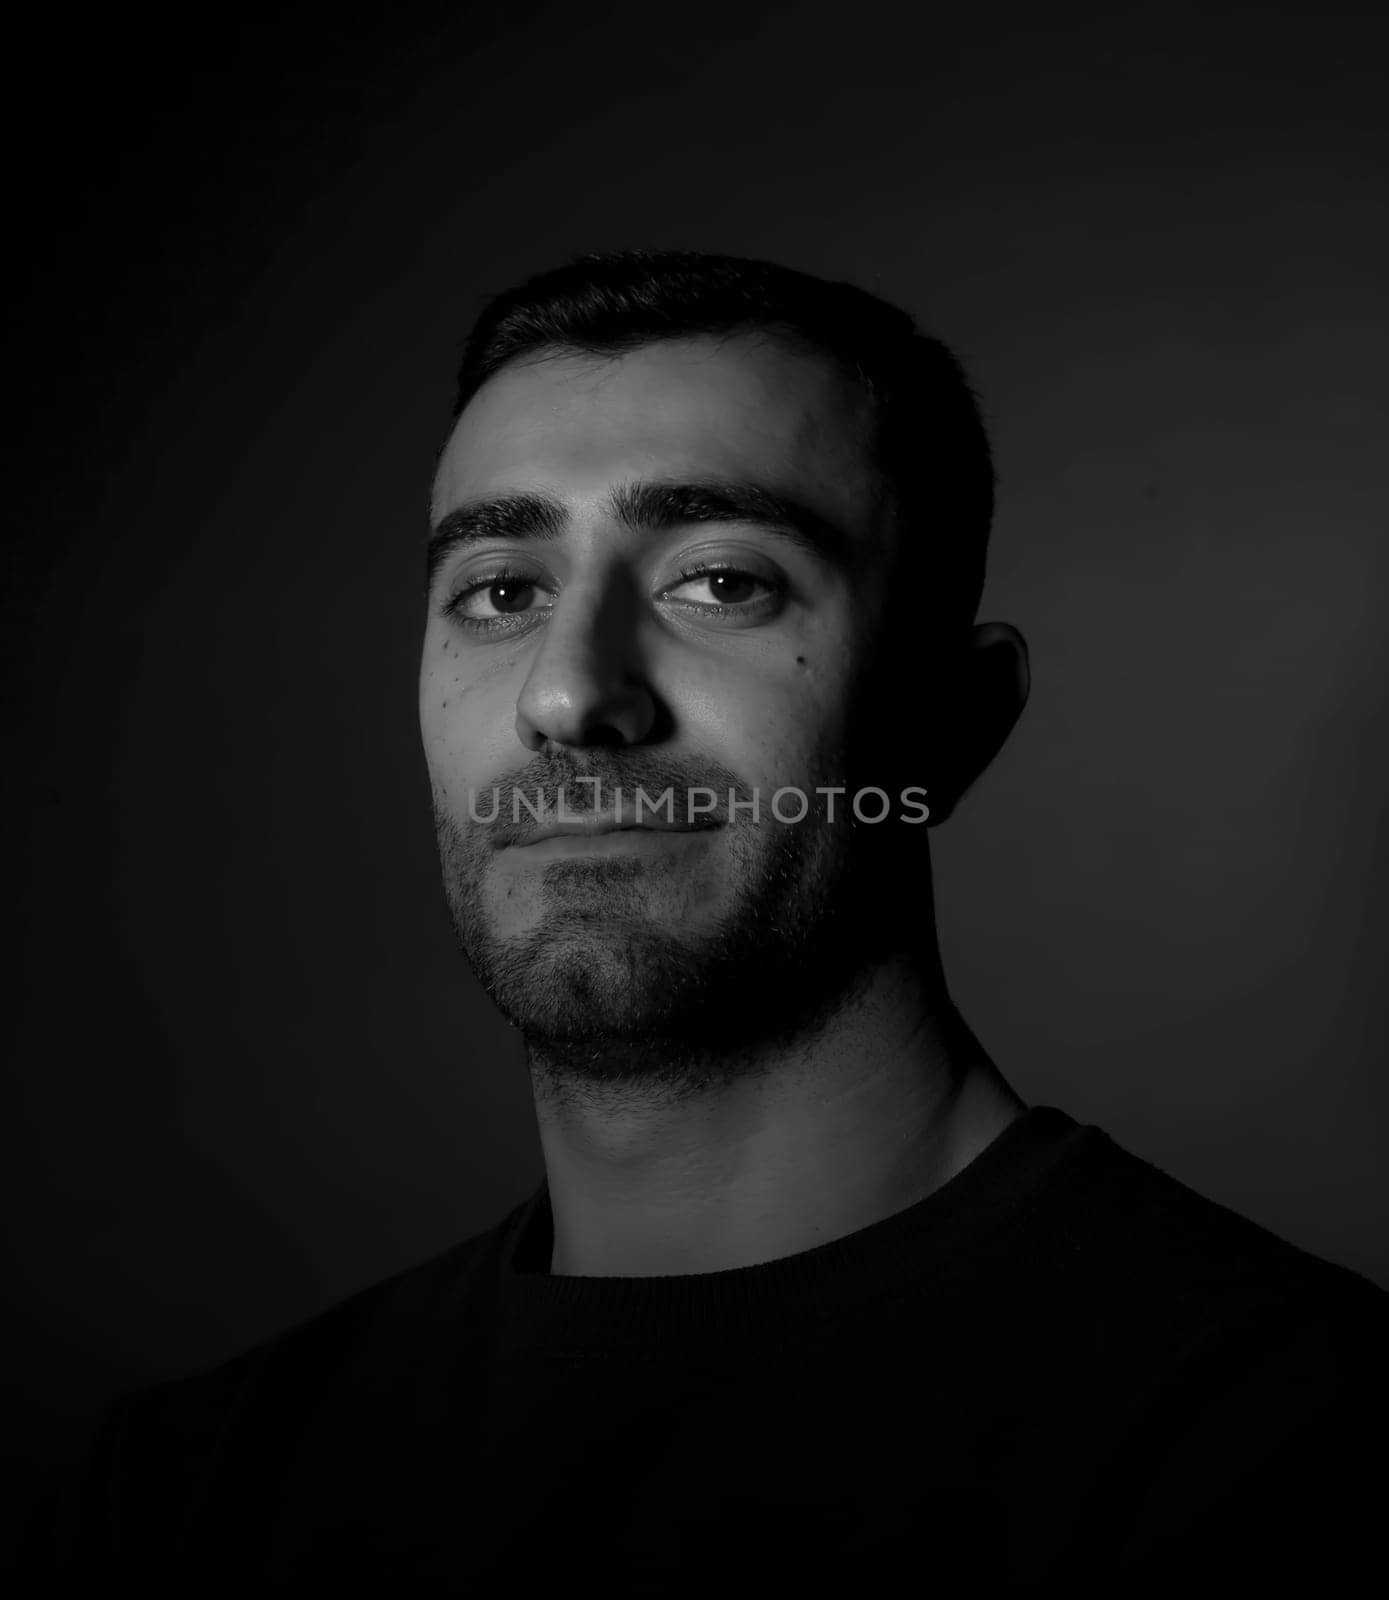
x=800 y=1146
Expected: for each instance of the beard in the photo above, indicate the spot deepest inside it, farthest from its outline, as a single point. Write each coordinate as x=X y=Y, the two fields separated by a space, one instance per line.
x=612 y=985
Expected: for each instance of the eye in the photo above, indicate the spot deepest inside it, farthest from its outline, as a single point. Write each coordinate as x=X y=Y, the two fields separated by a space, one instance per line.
x=724 y=589
x=496 y=599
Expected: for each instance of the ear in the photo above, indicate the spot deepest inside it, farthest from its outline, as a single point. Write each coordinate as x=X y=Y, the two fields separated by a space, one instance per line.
x=986 y=695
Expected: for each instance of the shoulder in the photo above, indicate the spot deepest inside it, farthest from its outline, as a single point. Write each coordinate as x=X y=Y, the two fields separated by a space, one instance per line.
x=1235 y=1303
x=1175 y=1313
x=1123 y=1222
x=317 y=1346
x=159 y=1447
x=368 y=1325
x=1246 y=1388
x=1201 y=1394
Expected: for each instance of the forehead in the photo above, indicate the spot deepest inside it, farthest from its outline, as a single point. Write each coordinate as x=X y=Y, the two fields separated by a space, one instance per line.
x=745 y=408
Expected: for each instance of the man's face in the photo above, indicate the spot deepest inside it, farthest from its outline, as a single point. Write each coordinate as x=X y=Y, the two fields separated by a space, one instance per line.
x=659 y=640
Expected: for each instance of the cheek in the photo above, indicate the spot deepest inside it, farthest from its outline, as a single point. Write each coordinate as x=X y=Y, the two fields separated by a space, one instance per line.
x=775 y=720
x=467 y=718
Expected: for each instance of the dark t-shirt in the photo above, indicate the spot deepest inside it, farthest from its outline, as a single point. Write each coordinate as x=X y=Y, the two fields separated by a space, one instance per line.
x=1063 y=1365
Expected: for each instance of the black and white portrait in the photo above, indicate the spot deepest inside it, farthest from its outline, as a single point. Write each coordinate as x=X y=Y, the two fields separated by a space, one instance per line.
x=696 y=724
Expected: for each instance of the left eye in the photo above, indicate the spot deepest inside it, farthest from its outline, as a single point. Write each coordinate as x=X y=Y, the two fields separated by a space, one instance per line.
x=723 y=586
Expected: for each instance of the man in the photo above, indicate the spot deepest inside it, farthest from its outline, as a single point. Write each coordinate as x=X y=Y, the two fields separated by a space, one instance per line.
x=809 y=1296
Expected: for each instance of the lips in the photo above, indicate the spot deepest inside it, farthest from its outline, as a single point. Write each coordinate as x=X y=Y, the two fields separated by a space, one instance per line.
x=595 y=824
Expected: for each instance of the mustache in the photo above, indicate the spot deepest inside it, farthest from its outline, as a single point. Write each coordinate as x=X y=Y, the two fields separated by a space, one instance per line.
x=508 y=806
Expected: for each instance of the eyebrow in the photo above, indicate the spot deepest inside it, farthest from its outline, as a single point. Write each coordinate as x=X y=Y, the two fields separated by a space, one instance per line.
x=652 y=506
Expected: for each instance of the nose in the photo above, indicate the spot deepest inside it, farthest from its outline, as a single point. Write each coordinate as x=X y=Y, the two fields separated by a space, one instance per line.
x=587 y=684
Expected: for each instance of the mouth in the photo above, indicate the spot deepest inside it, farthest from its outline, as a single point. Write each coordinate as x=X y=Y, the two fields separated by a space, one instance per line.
x=604 y=832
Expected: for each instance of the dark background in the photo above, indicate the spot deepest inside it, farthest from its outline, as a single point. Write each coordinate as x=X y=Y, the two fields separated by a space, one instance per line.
x=248 y=1073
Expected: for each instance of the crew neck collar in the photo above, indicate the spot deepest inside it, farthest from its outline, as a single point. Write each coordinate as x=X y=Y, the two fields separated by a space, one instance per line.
x=663 y=1314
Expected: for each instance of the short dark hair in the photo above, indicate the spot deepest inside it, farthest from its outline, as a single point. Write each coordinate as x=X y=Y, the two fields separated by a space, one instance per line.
x=930 y=442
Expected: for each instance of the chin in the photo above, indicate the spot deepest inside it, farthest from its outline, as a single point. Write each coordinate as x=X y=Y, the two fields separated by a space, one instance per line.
x=592 y=981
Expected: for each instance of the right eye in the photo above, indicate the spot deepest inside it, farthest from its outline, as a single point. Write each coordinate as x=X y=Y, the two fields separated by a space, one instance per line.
x=496 y=599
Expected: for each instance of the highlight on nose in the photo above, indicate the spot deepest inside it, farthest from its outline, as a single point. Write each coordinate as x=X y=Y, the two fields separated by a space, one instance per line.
x=586 y=685
x=563 y=719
